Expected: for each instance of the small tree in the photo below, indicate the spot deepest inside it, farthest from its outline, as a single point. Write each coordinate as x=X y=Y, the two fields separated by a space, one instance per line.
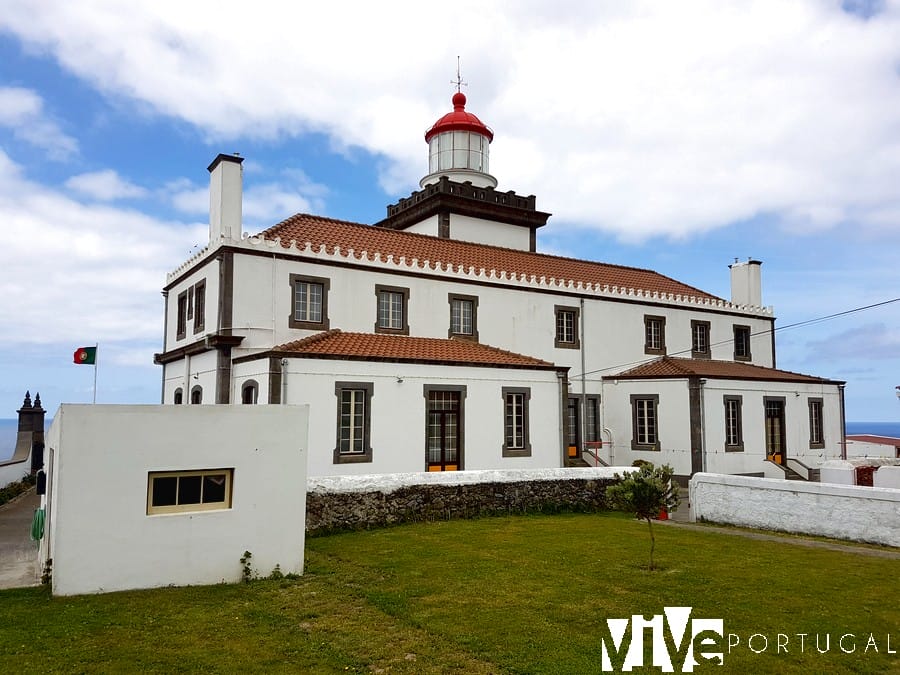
x=646 y=491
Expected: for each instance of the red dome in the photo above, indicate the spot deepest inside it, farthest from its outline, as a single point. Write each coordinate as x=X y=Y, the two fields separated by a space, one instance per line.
x=459 y=120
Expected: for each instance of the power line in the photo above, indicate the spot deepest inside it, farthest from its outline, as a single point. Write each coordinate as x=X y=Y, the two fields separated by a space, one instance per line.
x=798 y=324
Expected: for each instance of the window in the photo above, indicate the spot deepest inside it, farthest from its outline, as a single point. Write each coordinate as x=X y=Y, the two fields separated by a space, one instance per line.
x=183 y=491
x=516 y=441
x=816 y=425
x=654 y=334
x=391 y=310
x=354 y=418
x=700 y=339
x=249 y=392
x=734 y=434
x=179 y=397
x=181 y=324
x=742 y=343
x=197 y=395
x=566 y=327
x=199 y=306
x=463 y=316
x=645 y=431
x=309 y=300
x=592 y=423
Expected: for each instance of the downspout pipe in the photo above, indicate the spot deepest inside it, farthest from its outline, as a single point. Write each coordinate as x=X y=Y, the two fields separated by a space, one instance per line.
x=583 y=416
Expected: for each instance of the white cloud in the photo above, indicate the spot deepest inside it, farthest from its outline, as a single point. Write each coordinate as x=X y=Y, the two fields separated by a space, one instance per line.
x=22 y=110
x=106 y=185
x=75 y=272
x=650 y=118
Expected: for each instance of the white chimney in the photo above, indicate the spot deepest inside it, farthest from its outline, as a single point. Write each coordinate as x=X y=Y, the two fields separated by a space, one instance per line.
x=226 y=186
x=746 y=283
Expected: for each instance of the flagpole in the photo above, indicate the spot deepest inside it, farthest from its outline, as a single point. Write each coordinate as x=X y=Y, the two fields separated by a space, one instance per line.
x=96 y=357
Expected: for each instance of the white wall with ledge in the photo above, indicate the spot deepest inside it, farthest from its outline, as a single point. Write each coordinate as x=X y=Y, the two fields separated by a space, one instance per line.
x=866 y=514
x=887 y=477
x=100 y=533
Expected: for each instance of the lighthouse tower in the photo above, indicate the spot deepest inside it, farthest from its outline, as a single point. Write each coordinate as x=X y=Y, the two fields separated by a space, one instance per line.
x=457 y=199
x=459 y=148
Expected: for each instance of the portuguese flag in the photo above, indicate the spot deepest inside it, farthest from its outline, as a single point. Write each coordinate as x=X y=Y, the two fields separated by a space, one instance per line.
x=85 y=355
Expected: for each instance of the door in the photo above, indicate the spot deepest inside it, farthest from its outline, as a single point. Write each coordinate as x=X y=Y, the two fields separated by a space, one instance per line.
x=775 y=439
x=443 y=440
x=573 y=427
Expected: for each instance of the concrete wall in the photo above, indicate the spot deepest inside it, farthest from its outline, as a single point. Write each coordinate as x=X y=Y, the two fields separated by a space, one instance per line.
x=887 y=477
x=839 y=511
x=98 y=532
x=18 y=466
x=866 y=449
x=398 y=412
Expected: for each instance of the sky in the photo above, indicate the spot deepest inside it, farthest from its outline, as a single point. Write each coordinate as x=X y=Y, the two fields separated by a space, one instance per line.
x=670 y=136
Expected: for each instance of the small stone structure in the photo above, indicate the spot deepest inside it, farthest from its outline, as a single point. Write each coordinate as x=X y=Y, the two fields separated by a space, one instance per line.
x=360 y=502
x=28 y=456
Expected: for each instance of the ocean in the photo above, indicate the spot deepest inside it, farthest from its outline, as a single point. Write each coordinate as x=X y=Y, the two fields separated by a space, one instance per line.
x=8 y=428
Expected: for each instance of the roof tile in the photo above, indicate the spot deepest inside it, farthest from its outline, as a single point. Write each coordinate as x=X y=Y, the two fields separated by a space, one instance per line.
x=672 y=367
x=338 y=344
x=330 y=233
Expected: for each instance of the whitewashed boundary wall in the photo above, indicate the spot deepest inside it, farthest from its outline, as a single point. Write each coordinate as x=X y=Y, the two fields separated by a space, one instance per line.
x=866 y=514
x=100 y=532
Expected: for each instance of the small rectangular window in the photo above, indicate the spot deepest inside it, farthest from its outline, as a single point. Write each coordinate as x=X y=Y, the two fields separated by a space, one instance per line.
x=199 y=306
x=592 y=419
x=354 y=418
x=816 y=424
x=566 y=327
x=188 y=491
x=463 y=316
x=309 y=302
x=734 y=440
x=654 y=335
x=700 y=347
x=645 y=431
x=391 y=314
x=742 y=343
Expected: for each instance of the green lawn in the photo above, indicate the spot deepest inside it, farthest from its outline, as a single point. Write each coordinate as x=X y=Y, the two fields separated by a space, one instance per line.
x=527 y=594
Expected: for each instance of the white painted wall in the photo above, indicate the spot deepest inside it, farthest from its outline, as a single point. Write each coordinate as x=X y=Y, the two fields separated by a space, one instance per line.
x=98 y=457
x=887 y=477
x=18 y=466
x=866 y=449
x=481 y=231
x=843 y=512
x=398 y=412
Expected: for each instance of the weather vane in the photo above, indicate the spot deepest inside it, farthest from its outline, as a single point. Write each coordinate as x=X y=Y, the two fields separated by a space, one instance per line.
x=458 y=81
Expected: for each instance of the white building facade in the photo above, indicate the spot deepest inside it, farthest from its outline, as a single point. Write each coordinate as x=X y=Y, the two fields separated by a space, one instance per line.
x=446 y=302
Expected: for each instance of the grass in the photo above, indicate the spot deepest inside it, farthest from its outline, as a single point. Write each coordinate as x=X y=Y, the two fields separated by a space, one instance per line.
x=526 y=594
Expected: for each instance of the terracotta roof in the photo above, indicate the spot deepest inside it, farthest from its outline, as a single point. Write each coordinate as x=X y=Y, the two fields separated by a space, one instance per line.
x=459 y=120
x=671 y=367
x=400 y=348
x=880 y=440
x=319 y=231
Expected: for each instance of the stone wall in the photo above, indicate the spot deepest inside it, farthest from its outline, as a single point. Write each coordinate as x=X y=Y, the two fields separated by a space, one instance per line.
x=350 y=503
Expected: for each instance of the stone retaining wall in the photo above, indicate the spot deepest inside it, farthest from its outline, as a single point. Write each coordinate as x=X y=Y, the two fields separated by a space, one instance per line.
x=350 y=503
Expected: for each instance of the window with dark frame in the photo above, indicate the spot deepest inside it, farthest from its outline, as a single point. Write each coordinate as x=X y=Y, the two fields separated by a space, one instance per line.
x=734 y=433
x=516 y=437
x=463 y=316
x=179 y=397
x=391 y=310
x=309 y=302
x=654 y=335
x=645 y=430
x=188 y=491
x=742 y=343
x=566 y=327
x=700 y=348
x=592 y=430
x=249 y=392
x=816 y=424
x=196 y=395
x=199 y=306
x=181 y=321
x=354 y=418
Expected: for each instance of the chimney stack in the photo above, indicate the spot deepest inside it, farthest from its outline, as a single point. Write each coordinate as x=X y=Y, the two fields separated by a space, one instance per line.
x=226 y=185
x=746 y=283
